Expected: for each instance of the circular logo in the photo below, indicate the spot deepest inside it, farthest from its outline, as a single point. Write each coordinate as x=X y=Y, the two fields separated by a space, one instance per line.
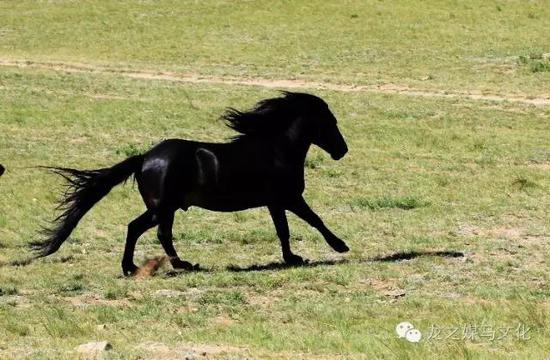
x=413 y=335
x=402 y=328
x=406 y=330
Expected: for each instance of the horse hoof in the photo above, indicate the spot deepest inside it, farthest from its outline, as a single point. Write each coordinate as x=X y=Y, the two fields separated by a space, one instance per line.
x=129 y=270
x=182 y=265
x=339 y=246
x=294 y=260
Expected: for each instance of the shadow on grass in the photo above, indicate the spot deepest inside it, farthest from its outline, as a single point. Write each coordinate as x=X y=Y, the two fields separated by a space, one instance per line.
x=409 y=255
x=22 y=262
x=282 y=265
x=395 y=257
x=197 y=269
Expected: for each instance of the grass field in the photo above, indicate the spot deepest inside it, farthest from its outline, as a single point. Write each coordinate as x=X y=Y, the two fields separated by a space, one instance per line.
x=444 y=200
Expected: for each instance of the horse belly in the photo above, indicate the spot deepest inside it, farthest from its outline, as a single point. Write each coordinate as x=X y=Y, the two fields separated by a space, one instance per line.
x=211 y=199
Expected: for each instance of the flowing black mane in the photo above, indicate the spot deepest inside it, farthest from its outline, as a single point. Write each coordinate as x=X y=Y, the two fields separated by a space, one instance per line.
x=267 y=118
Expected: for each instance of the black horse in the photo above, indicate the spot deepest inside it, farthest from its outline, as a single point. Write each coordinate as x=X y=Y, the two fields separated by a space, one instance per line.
x=263 y=166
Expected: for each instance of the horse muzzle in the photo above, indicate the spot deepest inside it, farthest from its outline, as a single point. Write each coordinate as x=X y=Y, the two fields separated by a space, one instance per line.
x=339 y=155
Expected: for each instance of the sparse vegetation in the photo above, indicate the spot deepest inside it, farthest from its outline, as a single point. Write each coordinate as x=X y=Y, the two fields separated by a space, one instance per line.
x=130 y=150
x=536 y=62
x=8 y=290
x=405 y=203
x=443 y=201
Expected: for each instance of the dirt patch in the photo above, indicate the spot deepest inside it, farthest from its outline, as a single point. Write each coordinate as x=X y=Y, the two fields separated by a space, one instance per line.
x=15 y=300
x=150 y=267
x=265 y=301
x=517 y=233
x=106 y=97
x=541 y=166
x=158 y=350
x=542 y=100
x=379 y=285
x=385 y=287
x=466 y=230
x=512 y=244
x=499 y=232
x=504 y=233
x=475 y=301
x=223 y=320
x=95 y=299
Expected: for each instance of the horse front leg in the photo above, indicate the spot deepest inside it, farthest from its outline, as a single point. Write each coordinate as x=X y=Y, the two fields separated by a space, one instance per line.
x=303 y=211
x=281 y=226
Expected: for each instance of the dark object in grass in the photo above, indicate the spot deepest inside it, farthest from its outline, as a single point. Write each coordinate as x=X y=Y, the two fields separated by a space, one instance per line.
x=2 y=169
x=280 y=266
x=400 y=256
x=263 y=166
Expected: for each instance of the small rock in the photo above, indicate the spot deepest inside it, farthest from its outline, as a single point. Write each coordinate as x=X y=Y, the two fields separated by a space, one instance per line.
x=94 y=348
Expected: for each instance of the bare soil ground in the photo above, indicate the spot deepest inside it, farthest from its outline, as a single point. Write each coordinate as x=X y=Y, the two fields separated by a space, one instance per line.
x=68 y=67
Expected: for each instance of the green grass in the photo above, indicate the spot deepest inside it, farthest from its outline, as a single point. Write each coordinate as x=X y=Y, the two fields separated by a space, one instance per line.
x=536 y=62
x=466 y=45
x=424 y=178
x=405 y=203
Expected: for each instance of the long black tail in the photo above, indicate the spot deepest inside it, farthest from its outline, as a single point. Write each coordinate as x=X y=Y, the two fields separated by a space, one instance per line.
x=84 y=189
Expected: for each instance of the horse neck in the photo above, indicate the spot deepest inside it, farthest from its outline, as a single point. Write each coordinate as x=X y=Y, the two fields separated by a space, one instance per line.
x=291 y=144
x=295 y=149
x=297 y=140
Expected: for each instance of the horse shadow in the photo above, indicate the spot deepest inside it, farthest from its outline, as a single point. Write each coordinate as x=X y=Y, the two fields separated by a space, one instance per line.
x=281 y=265
x=272 y=266
x=410 y=255
x=395 y=257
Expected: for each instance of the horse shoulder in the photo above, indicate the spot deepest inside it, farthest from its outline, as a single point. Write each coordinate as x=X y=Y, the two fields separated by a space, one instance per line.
x=208 y=166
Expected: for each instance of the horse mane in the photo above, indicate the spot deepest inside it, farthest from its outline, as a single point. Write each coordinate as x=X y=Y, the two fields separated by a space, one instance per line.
x=267 y=118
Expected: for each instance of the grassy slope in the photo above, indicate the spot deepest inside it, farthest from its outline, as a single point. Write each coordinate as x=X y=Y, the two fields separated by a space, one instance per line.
x=472 y=166
x=466 y=45
x=478 y=172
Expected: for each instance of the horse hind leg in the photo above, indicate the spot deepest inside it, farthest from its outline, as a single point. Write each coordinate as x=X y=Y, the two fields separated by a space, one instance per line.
x=164 y=234
x=135 y=229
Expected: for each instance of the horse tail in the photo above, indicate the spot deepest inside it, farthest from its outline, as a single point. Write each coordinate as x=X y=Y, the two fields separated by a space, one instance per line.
x=84 y=189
